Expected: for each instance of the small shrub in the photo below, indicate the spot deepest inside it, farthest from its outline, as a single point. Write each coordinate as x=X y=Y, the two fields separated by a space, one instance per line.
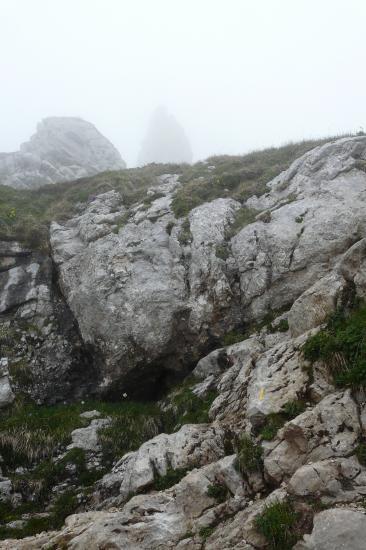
x=249 y=455
x=218 y=491
x=172 y=477
x=277 y=524
x=206 y=532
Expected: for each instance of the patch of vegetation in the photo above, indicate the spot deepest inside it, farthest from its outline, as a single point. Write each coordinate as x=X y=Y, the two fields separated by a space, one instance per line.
x=218 y=491
x=171 y=478
x=342 y=346
x=206 y=532
x=169 y=227
x=248 y=455
x=282 y=326
x=25 y=215
x=239 y=177
x=128 y=431
x=233 y=337
x=185 y=235
x=222 y=251
x=64 y=506
x=244 y=216
x=184 y=407
x=277 y=523
x=30 y=433
x=275 y=421
x=361 y=453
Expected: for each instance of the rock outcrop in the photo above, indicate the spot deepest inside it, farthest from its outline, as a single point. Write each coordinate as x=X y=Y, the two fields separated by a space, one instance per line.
x=151 y=293
x=62 y=149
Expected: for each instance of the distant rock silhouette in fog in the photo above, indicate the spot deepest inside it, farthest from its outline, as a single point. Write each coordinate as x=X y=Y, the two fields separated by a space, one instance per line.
x=165 y=141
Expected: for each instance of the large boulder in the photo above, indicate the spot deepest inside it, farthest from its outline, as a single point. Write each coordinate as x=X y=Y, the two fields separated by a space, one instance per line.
x=336 y=529
x=62 y=149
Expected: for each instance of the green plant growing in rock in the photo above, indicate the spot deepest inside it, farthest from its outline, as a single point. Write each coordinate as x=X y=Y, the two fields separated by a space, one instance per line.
x=206 y=532
x=274 y=421
x=342 y=346
x=222 y=251
x=361 y=453
x=218 y=491
x=277 y=523
x=233 y=337
x=248 y=455
x=185 y=235
x=126 y=433
x=171 y=478
x=244 y=216
x=185 y=407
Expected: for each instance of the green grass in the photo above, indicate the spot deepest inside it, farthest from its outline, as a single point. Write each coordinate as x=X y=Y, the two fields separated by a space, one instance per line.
x=25 y=215
x=275 y=421
x=342 y=346
x=244 y=216
x=238 y=177
x=184 y=407
x=277 y=523
x=31 y=433
x=248 y=455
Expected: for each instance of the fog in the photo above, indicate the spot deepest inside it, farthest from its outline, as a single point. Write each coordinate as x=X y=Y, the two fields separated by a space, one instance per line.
x=236 y=74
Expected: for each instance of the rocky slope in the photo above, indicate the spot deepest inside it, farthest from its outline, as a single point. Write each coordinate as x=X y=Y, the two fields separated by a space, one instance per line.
x=62 y=149
x=149 y=296
x=151 y=292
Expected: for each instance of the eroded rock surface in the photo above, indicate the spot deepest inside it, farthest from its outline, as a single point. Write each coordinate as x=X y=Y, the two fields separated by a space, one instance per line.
x=151 y=293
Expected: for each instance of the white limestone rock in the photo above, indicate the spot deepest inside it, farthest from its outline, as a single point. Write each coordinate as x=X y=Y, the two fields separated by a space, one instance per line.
x=62 y=149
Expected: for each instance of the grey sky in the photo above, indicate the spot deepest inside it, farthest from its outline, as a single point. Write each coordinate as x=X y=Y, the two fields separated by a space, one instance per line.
x=237 y=74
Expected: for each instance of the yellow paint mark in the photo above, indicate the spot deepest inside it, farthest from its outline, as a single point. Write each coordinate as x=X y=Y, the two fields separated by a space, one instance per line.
x=261 y=394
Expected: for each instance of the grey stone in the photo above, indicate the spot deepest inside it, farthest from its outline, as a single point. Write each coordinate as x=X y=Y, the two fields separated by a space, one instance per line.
x=336 y=529
x=62 y=149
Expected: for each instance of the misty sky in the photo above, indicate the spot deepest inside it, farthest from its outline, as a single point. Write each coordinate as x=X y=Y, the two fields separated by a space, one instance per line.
x=237 y=74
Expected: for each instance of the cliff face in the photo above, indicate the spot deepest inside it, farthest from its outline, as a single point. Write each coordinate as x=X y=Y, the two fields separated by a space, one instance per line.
x=151 y=292
x=62 y=149
x=265 y=430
